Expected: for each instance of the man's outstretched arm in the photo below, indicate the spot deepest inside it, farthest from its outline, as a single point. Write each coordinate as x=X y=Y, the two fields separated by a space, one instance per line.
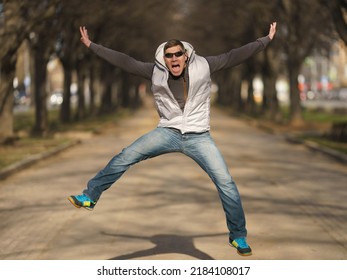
x=238 y=55
x=118 y=59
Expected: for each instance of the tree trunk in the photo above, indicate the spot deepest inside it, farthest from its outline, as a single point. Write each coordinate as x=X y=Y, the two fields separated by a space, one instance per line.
x=250 y=103
x=92 y=105
x=7 y=73
x=272 y=107
x=223 y=92
x=295 y=104
x=338 y=16
x=81 y=109
x=136 y=102
x=106 y=99
x=124 y=94
x=236 y=100
x=40 y=95
x=10 y=42
x=65 y=110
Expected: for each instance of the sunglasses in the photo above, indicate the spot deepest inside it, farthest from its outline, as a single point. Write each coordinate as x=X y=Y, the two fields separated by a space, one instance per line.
x=177 y=54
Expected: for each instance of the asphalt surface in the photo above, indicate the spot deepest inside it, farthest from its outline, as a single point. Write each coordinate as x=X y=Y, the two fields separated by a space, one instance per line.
x=167 y=208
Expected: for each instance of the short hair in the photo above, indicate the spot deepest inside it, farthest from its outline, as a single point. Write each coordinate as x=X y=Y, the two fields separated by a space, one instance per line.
x=173 y=43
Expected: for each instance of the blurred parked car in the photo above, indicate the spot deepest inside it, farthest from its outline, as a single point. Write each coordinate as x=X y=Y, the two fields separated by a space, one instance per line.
x=343 y=94
x=20 y=97
x=56 y=98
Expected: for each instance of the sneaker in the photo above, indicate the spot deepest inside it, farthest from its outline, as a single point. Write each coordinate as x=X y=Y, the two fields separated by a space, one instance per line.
x=241 y=245
x=82 y=201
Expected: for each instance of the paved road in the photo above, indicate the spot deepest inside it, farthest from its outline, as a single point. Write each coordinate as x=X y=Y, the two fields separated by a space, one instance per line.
x=167 y=208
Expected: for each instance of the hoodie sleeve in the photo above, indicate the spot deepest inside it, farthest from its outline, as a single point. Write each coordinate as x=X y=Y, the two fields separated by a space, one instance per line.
x=123 y=61
x=237 y=56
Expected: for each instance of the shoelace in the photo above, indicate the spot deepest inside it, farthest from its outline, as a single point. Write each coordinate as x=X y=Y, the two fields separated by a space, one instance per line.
x=241 y=242
x=83 y=198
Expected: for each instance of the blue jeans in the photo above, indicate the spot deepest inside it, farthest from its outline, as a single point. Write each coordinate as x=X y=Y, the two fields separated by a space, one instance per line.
x=198 y=146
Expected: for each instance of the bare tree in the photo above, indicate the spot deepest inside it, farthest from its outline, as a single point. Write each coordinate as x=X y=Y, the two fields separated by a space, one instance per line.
x=338 y=11
x=42 y=47
x=304 y=25
x=10 y=41
x=18 y=19
x=128 y=30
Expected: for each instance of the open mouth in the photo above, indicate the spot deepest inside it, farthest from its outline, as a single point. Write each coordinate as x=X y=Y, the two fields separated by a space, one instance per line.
x=176 y=69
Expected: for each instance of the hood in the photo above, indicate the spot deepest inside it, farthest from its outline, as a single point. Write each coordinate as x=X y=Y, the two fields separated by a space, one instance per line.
x=159 y=54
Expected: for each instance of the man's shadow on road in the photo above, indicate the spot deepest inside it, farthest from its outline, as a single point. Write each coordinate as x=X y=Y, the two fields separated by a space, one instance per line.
x=166 y=244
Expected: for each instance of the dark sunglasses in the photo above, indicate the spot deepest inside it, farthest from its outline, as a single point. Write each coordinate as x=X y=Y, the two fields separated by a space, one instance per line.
x=177 y=54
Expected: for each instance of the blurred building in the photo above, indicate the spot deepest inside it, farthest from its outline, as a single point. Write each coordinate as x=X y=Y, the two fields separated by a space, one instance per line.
x=324 y=74
x=338 y=69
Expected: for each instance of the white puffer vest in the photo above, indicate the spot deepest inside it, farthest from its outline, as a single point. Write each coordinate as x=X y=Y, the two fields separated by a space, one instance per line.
x=196 y=114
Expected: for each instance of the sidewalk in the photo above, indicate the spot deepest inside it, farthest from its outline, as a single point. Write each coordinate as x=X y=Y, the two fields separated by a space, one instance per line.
x=167 y=207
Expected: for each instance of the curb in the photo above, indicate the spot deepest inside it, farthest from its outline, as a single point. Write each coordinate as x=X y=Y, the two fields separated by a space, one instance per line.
x=330 y=152
x=7 y=171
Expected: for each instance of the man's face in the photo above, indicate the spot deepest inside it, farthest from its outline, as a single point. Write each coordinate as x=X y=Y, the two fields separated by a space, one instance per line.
x=175 y=60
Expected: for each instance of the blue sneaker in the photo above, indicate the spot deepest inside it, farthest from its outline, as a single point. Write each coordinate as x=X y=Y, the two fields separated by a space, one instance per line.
x=82 y=201
x=241 y=245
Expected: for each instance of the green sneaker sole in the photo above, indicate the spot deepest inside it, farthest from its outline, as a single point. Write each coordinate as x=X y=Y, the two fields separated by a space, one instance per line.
x=242 y=252
x=73 y=202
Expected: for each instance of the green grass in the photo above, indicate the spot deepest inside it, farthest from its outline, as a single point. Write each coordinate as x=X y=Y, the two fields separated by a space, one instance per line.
x=323 y=117
x=316 y=119
x=26 y=147
x=25 y=121
x=337 y=146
